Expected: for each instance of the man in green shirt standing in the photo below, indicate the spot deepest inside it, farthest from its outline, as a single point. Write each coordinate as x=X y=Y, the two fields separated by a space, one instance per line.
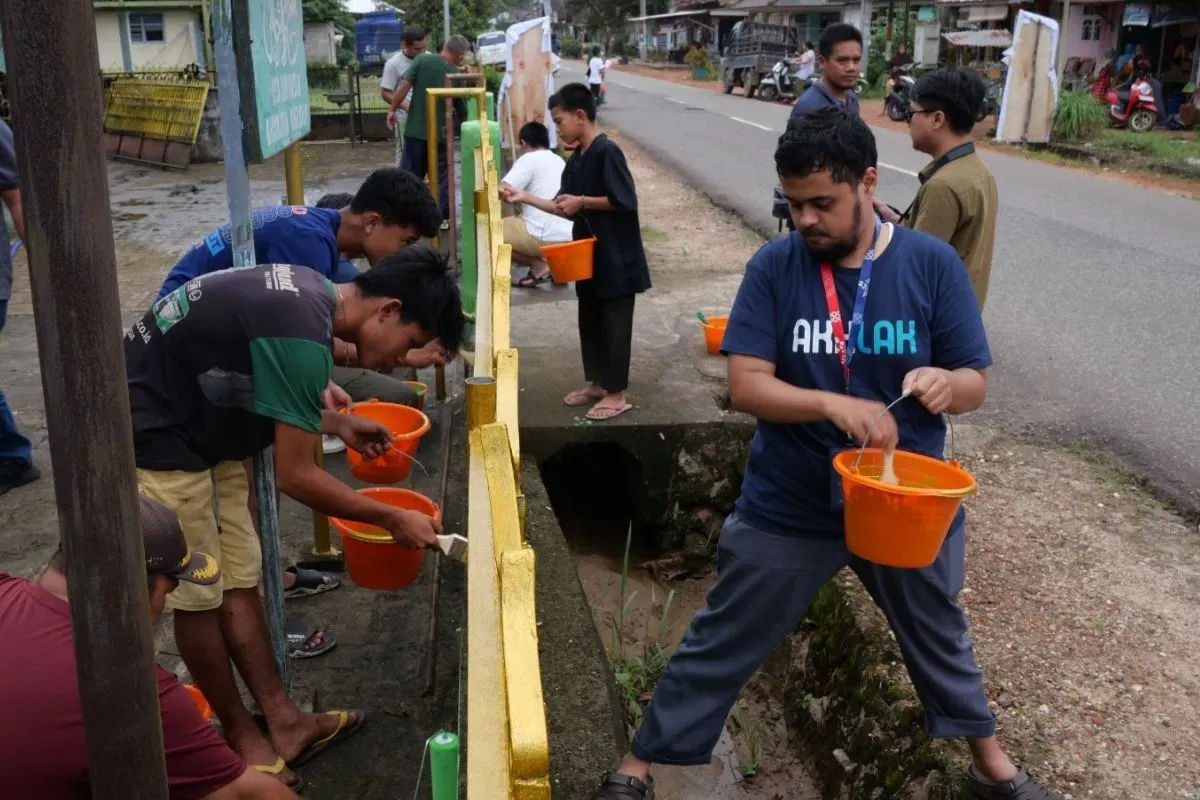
x=428 y=71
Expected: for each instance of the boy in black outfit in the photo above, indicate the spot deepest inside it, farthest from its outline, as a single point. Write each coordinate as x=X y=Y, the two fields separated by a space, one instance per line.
x=598 y=194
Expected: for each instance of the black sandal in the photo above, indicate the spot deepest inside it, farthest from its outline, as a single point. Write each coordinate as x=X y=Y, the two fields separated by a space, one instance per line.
x=531 y=281
x=1022 y=787
x=300 y=635
x=615 y=786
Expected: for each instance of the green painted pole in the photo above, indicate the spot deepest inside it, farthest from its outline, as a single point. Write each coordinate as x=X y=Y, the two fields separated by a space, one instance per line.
x=443 y=766
x=471 y=138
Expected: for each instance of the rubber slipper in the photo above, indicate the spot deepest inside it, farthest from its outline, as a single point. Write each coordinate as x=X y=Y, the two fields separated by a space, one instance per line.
x=300 y=633
x=1022 y=787
x=276 y=769
x=601 y=413
x=580 y=397
x=310 y=582
x=532 y=281
x=349 y=723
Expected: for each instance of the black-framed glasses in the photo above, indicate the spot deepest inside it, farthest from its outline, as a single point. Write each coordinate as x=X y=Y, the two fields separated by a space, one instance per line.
x=909 y=113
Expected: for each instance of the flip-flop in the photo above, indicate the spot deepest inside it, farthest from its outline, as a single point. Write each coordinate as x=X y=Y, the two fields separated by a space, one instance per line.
x=604 y=413
x=581 y=397
x=310 y=582
x=532 y=281
x=347 y=726
x=300 y=633
x=276 y=769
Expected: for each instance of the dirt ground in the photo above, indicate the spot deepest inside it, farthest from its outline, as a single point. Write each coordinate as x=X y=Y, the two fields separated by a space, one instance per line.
x=1135 y=174
x=1082 y=590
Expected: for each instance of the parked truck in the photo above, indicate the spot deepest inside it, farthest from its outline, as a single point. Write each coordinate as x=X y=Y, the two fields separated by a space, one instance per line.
x=753 y=49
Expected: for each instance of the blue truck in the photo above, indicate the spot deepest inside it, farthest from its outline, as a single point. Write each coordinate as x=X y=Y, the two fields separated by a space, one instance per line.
x=378 y=35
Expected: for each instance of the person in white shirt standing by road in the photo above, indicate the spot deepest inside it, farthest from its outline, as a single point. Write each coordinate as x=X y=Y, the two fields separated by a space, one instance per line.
x=595 y=74
x=808 y=62
x=537 y=172
x=411 y=45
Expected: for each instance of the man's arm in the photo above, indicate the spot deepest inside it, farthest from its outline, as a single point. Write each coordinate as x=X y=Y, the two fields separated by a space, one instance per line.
x=400 y=95
x=254 y=785
x=298 y=476
x=10 y=187
x=12 y=199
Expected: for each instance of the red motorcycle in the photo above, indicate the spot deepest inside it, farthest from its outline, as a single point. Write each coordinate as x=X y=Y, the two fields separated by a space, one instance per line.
x=1136 y=105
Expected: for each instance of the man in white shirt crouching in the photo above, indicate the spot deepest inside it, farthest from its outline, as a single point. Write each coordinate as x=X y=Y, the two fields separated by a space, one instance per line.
x=537 y=172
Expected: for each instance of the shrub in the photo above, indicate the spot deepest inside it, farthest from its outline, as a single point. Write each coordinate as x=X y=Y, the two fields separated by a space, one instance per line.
x=325 y=76
x=492 y=76
x=1079 y=116
x=698 y=59
x=570 y=47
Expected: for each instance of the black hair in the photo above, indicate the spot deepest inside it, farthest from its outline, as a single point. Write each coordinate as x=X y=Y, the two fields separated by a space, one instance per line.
x=535 y=134
x=413 y=35
x=596 y=51
x=574 y=97
x=956 y=92
x=809 y=45
x=837 y=33
x=335 y=200
x=826 y=139
x=418 y=277
x=399 y=198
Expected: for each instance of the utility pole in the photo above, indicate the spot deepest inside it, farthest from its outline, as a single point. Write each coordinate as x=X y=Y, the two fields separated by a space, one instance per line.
x=445 y=22
x=865 y=26
x=642 y=48
x=77 y=314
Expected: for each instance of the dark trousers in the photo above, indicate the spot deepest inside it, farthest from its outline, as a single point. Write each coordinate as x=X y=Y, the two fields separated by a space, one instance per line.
x=415 y=159
x=605 y=336
x=765 y=584
x=13 y=445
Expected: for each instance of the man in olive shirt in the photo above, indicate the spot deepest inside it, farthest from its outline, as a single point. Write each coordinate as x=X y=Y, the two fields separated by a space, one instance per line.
x=428 y=71
x=957 y=200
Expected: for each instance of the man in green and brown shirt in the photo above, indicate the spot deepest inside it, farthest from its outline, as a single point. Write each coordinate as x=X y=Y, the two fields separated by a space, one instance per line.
x=427 y=71
x=226 y=365
x=957 y=200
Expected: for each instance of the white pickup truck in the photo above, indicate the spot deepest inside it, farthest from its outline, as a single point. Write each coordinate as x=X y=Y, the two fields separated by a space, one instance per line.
x=491 y=47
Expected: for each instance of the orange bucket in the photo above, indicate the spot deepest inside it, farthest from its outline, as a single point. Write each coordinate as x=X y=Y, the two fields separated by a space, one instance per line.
x=407 y=424
x=714 y=333
x=200 y=700
x=421 y=389
x=570 y=261
x=373 y=559
x=905 y=525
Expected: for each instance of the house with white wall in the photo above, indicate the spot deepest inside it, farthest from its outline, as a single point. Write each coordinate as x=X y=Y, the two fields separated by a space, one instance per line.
x=151 y=35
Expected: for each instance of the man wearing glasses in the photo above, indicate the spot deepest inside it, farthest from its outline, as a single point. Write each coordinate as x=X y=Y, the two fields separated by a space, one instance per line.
x=957 y=200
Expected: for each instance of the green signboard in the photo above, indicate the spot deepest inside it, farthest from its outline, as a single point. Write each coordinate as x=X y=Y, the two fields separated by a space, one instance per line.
x=269 y=42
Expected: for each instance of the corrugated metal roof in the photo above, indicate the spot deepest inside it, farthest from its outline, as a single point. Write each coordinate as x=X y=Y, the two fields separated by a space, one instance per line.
x=776 y=5
x=988 y=38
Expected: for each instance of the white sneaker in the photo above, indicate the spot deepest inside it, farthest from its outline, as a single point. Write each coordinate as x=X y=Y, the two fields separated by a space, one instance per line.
x=332 y=444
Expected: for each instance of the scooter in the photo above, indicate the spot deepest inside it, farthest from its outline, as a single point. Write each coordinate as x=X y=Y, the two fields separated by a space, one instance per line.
x=991 y=100
x=860 y=85
x=899 y=98
x=1136 y=105
x=781 y=83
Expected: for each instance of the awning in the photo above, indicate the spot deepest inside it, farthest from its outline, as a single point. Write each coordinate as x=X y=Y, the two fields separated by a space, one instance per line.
x=988 y=38
x=672 y=15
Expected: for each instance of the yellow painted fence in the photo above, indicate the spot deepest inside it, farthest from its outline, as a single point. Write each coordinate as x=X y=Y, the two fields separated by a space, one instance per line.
x=507 y=745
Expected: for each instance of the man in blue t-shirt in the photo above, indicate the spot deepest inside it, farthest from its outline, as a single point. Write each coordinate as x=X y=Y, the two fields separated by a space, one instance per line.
x=831 y=324
x=840 y=55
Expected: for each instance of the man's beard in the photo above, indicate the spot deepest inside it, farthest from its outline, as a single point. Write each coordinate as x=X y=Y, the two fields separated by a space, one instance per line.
x=834 y=250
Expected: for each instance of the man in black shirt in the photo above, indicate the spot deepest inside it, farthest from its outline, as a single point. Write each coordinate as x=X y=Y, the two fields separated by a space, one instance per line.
x=599 y=195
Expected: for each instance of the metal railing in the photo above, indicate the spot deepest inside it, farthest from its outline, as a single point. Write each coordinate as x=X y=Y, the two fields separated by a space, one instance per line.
x=508 y=753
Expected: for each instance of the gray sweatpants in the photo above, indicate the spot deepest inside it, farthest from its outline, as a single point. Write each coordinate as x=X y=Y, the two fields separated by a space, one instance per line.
x=765 y=584
x=366 y=384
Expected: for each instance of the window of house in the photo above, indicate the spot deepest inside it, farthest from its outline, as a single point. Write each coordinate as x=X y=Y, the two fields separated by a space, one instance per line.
x=1092 y=25
x=145 y=28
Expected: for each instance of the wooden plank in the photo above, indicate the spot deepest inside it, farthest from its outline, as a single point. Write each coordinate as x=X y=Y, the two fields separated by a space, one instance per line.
x=527 y=710
x=527 y=93
x=1019 y=84
x=508 y=395
x=531 y=790
x=1041 y=106
x=502 y=299
x=484 y=366
x=73 y=276
x=502 y=489
x=488 y=762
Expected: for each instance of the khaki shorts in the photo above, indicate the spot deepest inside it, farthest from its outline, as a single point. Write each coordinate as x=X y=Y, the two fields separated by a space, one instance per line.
x=516 y=233
x=213 y=510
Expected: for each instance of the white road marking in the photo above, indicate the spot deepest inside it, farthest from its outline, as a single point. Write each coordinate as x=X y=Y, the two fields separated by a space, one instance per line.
x=901 y=170
x=751 y=124
x=676 y=100
x=619 y=83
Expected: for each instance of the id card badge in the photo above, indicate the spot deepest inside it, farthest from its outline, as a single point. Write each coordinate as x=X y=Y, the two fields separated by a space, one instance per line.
x=836 y=499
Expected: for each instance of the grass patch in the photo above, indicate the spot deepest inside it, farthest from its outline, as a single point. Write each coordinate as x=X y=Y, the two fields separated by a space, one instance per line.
x=652 y=235
x=748 y=726
x=1170 y=147
x=1105 y=466
x=1079 y=116
x=637 y=669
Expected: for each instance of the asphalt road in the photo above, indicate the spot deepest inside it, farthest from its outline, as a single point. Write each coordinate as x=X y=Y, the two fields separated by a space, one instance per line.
x=1092 y=309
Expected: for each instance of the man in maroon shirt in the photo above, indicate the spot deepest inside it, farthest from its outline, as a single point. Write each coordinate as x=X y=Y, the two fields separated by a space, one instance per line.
x=42 y=750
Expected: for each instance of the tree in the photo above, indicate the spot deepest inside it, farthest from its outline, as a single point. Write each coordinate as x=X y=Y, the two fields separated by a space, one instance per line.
x=467 y=17
x=608 y=19
x=333 y=11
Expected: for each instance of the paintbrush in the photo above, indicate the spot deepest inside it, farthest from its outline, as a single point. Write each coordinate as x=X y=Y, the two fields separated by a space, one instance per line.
x=454 y=546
